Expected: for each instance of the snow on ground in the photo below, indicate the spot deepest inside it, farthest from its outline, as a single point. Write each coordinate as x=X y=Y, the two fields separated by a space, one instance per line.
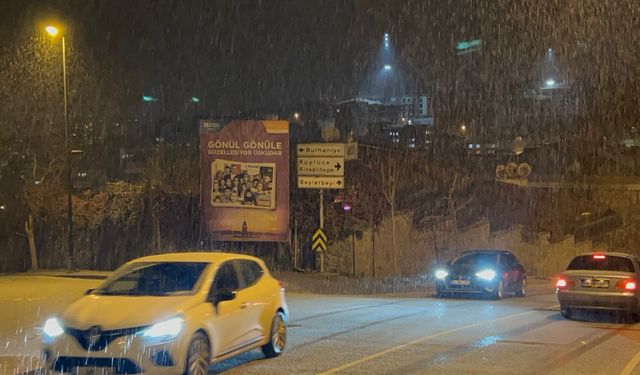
x=26 y=301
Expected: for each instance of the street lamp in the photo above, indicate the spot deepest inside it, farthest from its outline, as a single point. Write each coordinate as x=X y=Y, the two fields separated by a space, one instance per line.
x=53 y=32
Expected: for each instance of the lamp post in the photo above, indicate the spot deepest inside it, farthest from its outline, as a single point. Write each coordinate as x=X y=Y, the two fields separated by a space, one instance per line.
x=53 y=32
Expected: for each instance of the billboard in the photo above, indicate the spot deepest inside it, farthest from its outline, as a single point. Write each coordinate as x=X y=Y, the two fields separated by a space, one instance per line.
x=244 y=168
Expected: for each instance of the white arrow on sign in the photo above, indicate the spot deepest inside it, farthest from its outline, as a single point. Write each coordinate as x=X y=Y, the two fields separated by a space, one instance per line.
x=314 y=182
x=321 y=149
x=309 y=166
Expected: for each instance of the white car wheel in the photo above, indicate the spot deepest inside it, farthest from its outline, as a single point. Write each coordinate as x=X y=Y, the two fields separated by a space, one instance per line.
x=198 y=357
x=278 y=337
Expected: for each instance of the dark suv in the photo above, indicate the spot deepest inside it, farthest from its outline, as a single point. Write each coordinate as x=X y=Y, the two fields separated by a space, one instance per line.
x=491 y=273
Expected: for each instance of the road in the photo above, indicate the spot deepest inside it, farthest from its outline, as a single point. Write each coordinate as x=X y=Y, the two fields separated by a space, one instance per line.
x=364 y=335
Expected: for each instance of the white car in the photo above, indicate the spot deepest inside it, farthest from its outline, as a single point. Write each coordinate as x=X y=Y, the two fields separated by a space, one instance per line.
x=170 y=314
x=600 y=281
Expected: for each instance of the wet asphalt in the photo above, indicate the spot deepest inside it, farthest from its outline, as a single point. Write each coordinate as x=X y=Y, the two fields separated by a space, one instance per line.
x=380 y=335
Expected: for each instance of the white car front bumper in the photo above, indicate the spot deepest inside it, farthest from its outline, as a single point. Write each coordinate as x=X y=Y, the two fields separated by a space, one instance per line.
x=130 y=354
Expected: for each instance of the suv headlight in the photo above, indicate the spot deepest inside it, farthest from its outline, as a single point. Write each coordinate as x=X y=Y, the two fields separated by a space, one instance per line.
x=486 y=275
x=167 y=329
x=441 y=274
x=52 y=328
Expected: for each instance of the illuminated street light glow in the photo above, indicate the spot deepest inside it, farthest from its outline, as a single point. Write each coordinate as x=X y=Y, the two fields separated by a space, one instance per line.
x=195 y=99
x=52 y=30
x=468 y=44
x=550 y=83
x=147 y=98
x=387 y=67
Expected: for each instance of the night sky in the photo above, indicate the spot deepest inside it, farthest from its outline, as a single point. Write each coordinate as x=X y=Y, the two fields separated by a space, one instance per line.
x=234 y=54
x=248 y=54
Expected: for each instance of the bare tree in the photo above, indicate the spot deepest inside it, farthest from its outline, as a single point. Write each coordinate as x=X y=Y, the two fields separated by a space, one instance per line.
x=389 y=176
x=29 y=191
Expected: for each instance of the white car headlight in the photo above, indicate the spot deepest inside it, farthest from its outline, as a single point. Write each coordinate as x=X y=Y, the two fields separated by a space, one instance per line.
x=52 y=328
x=441 y=274
x=486 y=274
x=167 y=329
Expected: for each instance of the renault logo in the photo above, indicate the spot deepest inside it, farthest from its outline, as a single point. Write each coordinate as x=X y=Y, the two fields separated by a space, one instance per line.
x=93 y=335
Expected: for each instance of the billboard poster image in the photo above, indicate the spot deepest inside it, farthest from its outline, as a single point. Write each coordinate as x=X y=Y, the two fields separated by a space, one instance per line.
x=245 y=181
x=248 y=185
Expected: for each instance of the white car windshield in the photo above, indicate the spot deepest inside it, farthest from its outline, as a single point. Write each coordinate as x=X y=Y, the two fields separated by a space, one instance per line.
x=155 y=279
x=602 y=263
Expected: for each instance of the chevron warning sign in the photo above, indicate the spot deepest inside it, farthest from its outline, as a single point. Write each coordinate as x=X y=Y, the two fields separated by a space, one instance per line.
x=319 y=240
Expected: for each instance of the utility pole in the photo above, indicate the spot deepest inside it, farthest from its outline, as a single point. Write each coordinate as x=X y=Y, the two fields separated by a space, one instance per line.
x=53 y=31
x=353 y=252
x=71 y=252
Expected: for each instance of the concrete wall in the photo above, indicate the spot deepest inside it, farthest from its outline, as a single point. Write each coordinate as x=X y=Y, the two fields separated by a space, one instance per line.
x=417 y=250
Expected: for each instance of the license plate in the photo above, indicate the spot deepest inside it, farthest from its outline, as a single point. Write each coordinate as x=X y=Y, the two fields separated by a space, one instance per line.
x=588 y=283
x=460 y=282
x=95 y=371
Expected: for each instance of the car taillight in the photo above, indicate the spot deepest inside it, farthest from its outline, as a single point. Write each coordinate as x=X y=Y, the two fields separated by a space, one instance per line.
x=599 y=256
x=563 y=283
x=627 y=284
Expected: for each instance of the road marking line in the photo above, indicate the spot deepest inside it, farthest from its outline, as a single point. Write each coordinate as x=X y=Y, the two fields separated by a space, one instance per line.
x=631 y=365
x=576 y=349
x=420 y=340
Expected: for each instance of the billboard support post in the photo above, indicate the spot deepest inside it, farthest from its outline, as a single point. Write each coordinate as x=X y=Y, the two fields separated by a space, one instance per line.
x=321 y=227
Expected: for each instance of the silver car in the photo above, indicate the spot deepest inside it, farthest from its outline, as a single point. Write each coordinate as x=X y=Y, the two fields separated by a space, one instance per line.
x=600 y=281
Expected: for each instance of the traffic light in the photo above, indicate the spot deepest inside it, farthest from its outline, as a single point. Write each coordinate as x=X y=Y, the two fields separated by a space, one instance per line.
x=343 y=202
